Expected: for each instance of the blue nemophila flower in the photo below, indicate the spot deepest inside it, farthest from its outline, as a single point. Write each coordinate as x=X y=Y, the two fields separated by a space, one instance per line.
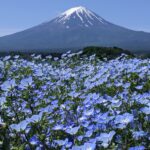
x=23 y=124
x=116 y=103
x=138 y=134
x=146 y=110
x=88 y=133
x=89 y=112
x=95 y=96
x=124 y=119
x=7 y=85
x=127 y=85
x=61 y=142
x=56 y=58
x=118 y=84
x=58 y=127
x=16 y=56
x=89 y=146
x=20 y=126
x=137 y=148
x=121 y=126
x=142 y=98
x=72 y=130
x=35 y=118
x=104 y=118
x=39 y=148
x=105 y=138
x=6 y=58
x=38 y=73
x=80 y=138
x=68 y=145
x=54 y=103
x=27 y=130
x=139 y=87
x=2 y=100
x=37 y=57
x=26 y=82
x=86 y=146
x=49 y=57
x=74 y=94
x=34 y=140
x=75 y=147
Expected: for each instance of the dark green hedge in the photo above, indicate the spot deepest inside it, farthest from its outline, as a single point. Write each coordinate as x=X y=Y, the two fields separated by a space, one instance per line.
x=107 y=52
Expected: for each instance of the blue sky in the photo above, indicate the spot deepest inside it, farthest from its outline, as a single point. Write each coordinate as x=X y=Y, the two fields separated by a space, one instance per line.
x=17 y=15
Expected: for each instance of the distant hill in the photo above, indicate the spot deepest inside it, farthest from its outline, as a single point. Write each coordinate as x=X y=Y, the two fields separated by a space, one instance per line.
x=106 y=52
x=76 y=28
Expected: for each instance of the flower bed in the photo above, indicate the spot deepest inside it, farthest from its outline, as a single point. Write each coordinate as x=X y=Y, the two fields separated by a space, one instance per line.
x=74 y=103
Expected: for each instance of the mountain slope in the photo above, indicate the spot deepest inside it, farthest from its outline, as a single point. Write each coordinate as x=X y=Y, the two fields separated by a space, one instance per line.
x=77 y=27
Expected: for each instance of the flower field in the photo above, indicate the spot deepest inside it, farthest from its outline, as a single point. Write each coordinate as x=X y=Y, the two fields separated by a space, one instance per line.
x=74 y=103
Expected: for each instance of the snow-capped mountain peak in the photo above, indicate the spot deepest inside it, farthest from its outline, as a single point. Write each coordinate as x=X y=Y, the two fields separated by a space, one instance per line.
x=79 y=9
x=74 y=29
x=80 y=16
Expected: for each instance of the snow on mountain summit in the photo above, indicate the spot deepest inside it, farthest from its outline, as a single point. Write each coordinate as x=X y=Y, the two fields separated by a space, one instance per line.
x=79 y=16
x=79 y=9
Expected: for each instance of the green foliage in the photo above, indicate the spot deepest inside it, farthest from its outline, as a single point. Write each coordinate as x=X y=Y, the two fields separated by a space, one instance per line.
x=105 y=52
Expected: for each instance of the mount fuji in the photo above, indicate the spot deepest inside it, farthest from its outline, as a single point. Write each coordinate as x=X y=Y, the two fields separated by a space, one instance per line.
x=76 y=28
